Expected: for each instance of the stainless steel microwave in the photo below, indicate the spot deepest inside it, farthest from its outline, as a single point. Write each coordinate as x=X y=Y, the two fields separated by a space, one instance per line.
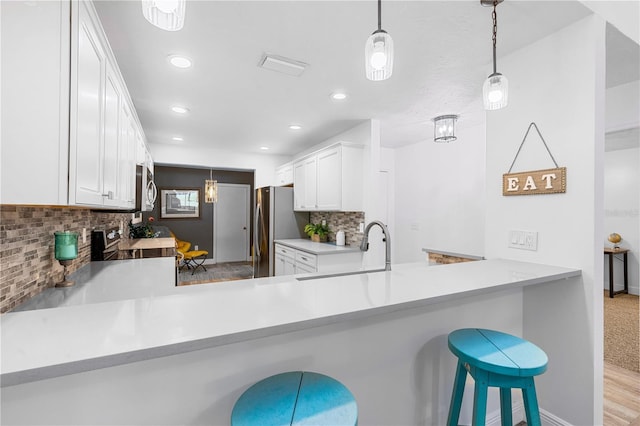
x=146 y=190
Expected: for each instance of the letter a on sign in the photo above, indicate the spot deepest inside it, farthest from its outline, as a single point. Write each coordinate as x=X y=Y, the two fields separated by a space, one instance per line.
x=551 y=181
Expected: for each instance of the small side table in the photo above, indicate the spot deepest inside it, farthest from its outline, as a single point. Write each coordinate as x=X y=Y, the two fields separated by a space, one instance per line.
x=611 y=252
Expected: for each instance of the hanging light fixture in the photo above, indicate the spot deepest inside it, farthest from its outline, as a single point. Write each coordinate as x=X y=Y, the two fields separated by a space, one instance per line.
x=210 y=189
x=165 y=14
x=444 y=128
x=496 y=88
x=379 y=52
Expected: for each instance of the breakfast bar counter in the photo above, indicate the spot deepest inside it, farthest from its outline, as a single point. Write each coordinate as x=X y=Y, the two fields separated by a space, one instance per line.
x=120 y=336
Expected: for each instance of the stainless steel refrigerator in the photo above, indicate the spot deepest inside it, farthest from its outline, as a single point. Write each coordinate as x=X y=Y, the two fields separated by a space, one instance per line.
x=274 y=220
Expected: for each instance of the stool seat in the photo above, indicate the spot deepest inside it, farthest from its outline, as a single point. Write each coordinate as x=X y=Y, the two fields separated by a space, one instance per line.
x=498 y=352
x=296 y=398
x=495 y=359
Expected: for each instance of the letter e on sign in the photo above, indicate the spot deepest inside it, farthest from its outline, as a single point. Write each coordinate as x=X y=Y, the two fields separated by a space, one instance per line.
x=550 y=181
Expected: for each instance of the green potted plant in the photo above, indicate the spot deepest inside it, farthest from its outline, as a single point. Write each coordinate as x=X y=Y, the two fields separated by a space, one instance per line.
x=317 y=231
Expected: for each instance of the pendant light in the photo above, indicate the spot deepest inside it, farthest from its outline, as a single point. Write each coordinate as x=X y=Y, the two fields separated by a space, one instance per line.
x=444 y=128
x=210 y=189
x=165 y=14
x=379 y=52
x=495 y=91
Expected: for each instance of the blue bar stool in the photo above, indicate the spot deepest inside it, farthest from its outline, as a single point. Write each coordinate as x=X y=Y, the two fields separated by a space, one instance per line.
x=296 y=398
x=500 y=360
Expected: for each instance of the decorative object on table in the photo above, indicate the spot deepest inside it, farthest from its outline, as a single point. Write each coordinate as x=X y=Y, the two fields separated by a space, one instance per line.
x=444 y=128
x=317 y=231
x=340 y=238
x=210 y=189
x=495 y=90
x=180 y=203
x=141 y=230
x=66 y=249
x=615 y=240
x=548 y=181
x=379 y=52
x=164 y=14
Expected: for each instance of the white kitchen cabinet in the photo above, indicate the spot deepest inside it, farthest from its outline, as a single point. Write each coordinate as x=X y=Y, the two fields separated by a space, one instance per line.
x=34 y=74
x=284 y=175
x=127 y=157
x=330 y=179
x=56 y=53
x=304 y=183
x=291 y=261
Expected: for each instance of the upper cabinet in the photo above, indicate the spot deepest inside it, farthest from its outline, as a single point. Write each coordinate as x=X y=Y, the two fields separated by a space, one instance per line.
x=81 y=127
x=330 y=179
x=284 y=175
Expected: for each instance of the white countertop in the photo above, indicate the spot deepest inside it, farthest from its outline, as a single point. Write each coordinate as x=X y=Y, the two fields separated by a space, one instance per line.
x=317 y=248
x=46 y=343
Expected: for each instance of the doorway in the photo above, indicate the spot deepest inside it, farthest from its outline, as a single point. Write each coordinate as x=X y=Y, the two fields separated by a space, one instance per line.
x=231 y=223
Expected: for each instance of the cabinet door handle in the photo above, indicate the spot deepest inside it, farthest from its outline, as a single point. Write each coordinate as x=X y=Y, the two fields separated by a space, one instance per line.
x=303 y=258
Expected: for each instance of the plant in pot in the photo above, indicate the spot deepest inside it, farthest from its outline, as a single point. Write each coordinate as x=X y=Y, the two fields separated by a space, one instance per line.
x=317 y=231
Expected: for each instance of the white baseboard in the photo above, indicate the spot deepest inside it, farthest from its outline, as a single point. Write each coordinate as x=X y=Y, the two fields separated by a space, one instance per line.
x=548 y=419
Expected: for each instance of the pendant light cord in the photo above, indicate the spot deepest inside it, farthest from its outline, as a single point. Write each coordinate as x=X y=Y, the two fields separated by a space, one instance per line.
x=494 y=16
x=379 y=15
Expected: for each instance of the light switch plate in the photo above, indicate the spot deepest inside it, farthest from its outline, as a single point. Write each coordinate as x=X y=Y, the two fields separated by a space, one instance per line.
x=524 y=240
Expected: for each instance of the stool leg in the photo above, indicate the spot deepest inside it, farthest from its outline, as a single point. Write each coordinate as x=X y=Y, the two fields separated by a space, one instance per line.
x=480 y=398
x=456 y=396
x=506 y=417
x=531 y=403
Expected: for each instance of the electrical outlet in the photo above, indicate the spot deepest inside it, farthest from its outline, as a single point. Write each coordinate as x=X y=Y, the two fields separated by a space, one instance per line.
x=84 y=235
x=361 y=227
x=196 y=247
x=415 y=226
x=524 y=240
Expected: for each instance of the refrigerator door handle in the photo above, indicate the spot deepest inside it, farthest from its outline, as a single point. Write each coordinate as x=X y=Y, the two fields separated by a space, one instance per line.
x=258 y=234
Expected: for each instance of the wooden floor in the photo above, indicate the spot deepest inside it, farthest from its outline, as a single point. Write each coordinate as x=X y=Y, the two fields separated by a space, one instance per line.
x=621 y=396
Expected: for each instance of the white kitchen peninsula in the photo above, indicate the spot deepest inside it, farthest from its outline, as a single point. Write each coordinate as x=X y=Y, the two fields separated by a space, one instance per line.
x=185 y=358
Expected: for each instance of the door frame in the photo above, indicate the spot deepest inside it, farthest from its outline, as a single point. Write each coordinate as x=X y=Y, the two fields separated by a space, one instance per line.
x=248 y=219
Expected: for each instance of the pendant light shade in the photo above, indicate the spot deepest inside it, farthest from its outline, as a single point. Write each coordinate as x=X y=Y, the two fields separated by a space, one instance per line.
x=495 y=90
x=444 y=128
x=379 y=52
x=210 y=189
x=165 y=14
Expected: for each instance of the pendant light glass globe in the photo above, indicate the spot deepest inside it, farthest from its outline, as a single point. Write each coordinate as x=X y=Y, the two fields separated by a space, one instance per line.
x=165 y=14
x=379 y=56
x=495 y=92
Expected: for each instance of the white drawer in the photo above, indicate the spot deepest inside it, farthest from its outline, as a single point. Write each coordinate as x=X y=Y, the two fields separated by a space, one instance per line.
x=285 y=251
x=306 y=258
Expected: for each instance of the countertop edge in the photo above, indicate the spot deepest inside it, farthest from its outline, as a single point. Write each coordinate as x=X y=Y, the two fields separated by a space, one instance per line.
x=80 y=366
x=329 y=249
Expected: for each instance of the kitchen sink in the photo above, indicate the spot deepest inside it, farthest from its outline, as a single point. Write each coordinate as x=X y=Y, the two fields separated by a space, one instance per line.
x=338 y=274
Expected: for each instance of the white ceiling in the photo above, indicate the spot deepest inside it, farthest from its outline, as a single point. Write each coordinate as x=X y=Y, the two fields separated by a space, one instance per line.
x=442 y=56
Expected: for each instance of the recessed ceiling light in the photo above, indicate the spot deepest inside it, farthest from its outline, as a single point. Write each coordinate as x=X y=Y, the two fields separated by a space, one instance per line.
x=338 y=96
x=180 y=61
x=179 y=109
x=295 y=127
x=264 y=148
x=178 y=138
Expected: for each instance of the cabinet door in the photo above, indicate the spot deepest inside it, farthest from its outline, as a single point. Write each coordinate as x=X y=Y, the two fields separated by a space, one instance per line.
x=88 y=114
x=289 y=266
x=126 y=153
x=310 y=182
x=299 y=186
x=112 y=142
x=279 y=269
x=301 y=268
x=329 y=179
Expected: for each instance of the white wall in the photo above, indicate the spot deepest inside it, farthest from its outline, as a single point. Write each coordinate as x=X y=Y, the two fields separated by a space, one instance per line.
x=621 y=212
x=263 y=164
x=623 y=107
x=440 y=195
x=557 y=82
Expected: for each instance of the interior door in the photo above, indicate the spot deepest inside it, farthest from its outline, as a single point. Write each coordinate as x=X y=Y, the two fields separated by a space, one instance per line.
x=231 y=223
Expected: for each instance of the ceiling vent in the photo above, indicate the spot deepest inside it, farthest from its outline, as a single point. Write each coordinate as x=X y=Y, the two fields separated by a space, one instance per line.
x=282 y=65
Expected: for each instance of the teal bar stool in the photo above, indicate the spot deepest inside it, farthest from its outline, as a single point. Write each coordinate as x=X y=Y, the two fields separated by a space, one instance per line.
x=500 y=360
x=296 y=398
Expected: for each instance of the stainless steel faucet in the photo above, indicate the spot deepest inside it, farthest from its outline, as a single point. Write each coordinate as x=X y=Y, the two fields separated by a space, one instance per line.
x=364 y=246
